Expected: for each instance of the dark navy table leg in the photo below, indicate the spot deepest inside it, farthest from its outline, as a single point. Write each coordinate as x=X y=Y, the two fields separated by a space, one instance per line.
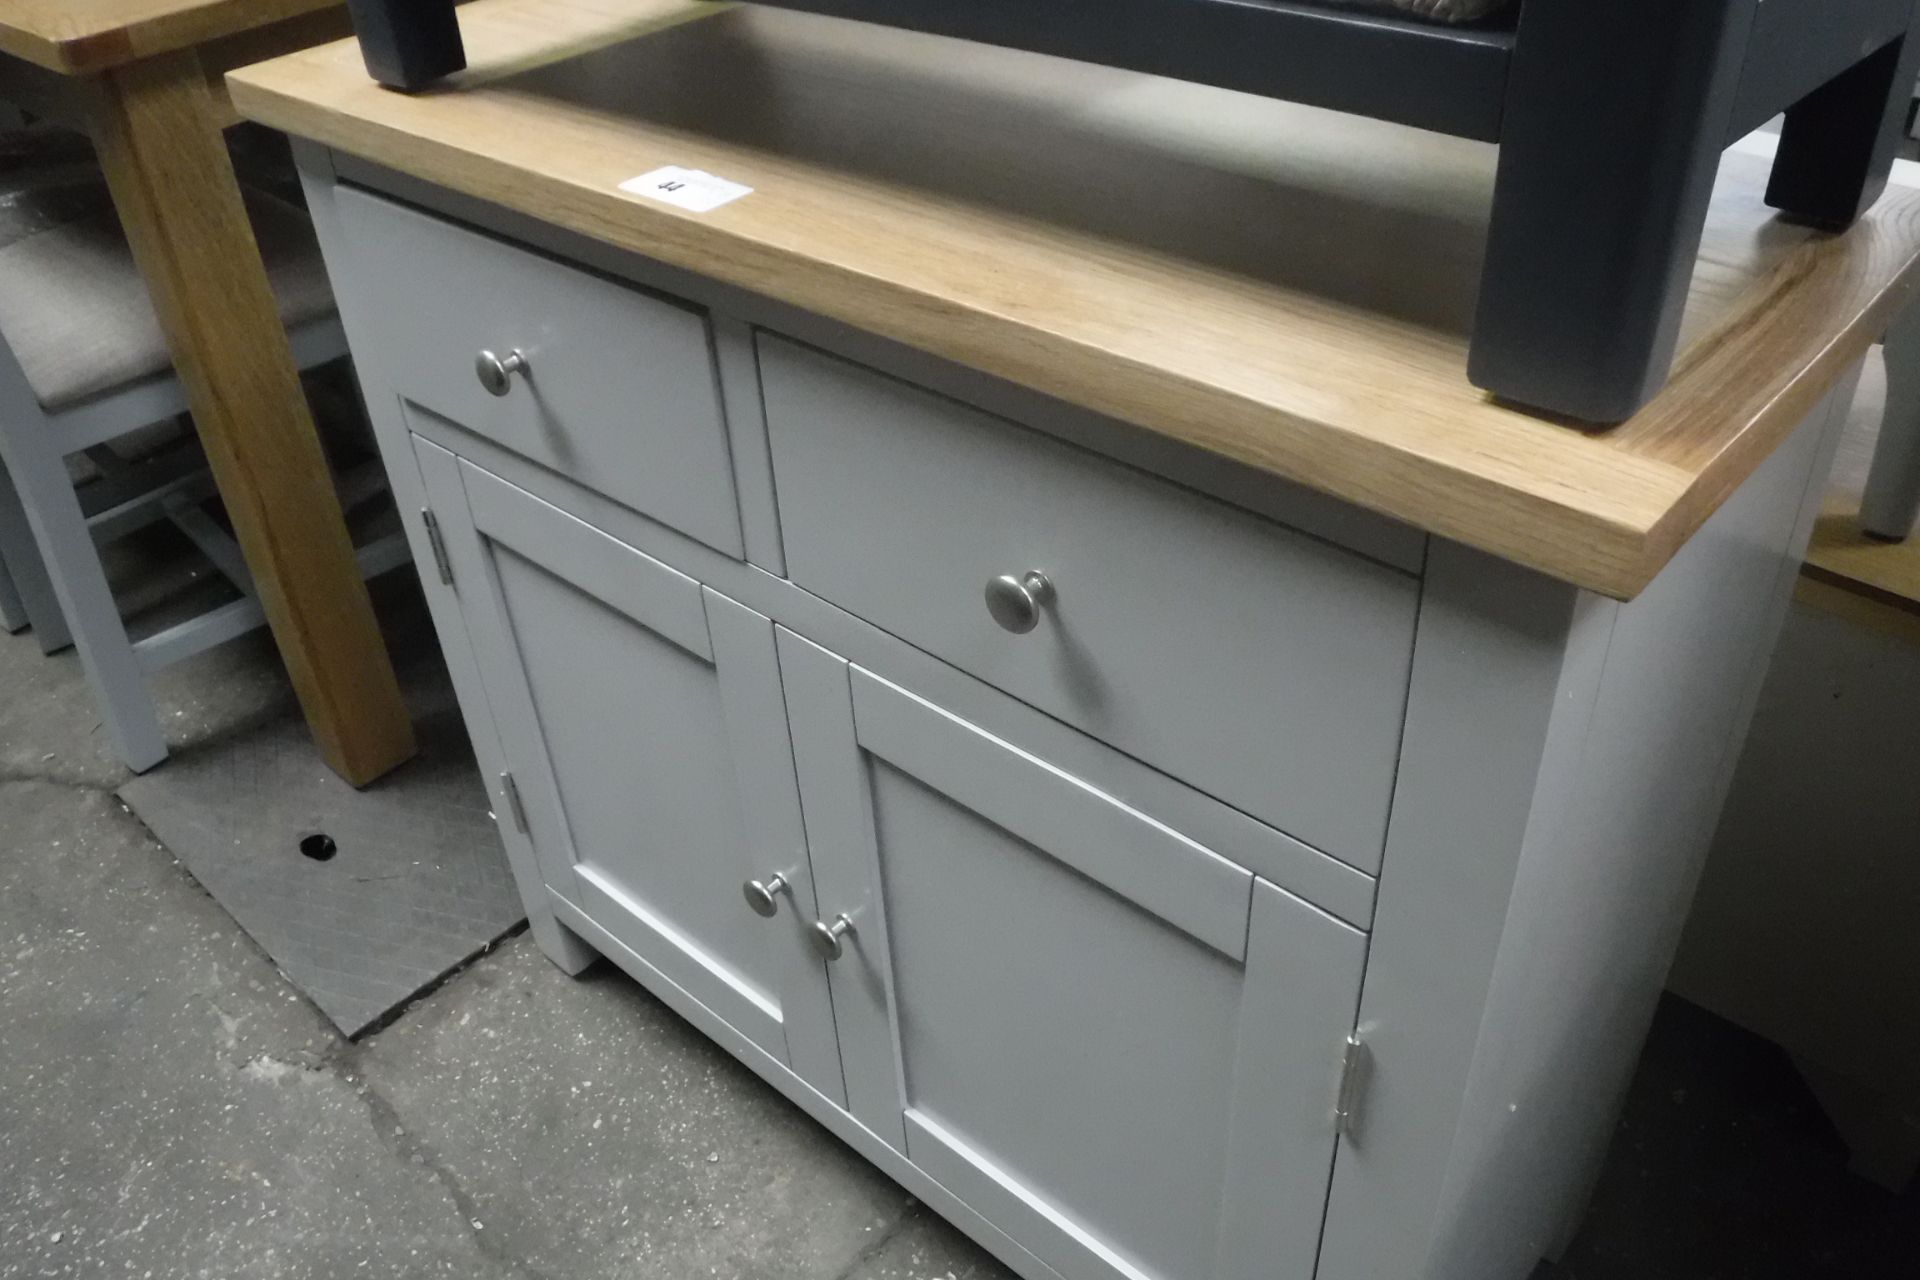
x=1616 y=116
x=408 y=44
x=1839 y=142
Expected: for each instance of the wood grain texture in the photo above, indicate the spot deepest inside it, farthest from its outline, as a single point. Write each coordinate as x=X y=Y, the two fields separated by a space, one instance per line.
x=155 y=126
x=1285 y=287
x=58 y=94
x=76 y=37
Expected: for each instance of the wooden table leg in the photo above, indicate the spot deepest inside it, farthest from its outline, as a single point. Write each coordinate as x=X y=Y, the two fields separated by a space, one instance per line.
x=156 y=126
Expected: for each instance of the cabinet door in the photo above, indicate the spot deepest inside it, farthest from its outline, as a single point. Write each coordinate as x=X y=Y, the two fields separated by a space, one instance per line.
x=1118 y=1047
x=642 y=720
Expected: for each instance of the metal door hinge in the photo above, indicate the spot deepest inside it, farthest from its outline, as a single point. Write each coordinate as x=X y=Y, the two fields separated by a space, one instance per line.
x=1356 y=1070
x=439 y=544
x=516 y=812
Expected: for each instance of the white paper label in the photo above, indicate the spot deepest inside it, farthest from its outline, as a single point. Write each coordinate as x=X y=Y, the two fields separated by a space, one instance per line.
x=689 y=188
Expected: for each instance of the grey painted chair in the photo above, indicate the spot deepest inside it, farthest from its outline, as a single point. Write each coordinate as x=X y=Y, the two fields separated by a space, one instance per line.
x=1891 y=504
x=83 y=364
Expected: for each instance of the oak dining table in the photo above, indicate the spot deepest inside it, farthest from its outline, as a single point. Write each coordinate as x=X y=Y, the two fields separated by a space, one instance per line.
x=143 y=78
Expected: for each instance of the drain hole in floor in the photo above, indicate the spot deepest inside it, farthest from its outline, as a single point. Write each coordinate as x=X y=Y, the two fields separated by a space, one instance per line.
x=319 y=846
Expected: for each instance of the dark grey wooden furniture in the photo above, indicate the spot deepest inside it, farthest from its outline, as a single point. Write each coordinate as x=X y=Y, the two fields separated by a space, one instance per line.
x=1610 y=114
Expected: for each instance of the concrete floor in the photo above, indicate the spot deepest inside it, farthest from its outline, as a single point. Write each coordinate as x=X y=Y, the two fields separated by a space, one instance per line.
x=170 y=1107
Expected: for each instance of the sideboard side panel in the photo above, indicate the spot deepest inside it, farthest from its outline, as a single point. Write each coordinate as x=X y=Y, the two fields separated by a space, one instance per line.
x=1611 y=859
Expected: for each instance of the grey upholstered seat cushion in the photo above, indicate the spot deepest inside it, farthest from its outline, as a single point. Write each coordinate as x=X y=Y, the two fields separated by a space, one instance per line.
x=76 y=312
x=1438 y=10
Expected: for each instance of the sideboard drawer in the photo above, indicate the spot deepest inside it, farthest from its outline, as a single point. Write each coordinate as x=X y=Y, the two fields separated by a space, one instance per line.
x=619 y=390
x=1259 y=664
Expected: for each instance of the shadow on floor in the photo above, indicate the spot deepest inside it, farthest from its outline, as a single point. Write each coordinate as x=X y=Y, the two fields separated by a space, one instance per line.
x=1723 y=1168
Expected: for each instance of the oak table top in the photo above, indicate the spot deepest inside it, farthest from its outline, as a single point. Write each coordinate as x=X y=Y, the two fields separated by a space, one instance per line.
x=1283 y=286
x=76 y=37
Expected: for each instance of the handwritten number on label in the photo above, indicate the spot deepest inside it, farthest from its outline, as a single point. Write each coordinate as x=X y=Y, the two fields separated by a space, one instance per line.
x=691 y=189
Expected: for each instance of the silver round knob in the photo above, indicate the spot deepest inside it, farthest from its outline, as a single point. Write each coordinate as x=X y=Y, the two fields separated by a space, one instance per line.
x=1015 y=603
x=826 y=937
x=496 y=372
x=764 y=895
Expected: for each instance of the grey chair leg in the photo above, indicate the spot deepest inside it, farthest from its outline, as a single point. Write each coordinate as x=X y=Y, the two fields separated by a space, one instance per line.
x=80 y=584
x=1891 y=504
x=1616 y=116
x=13 y=614
x=21 y=558
x=1838 y=143
x=13 y=610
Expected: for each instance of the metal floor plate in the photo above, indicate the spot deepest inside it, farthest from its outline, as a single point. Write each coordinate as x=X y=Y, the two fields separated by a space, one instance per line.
x=417 y=885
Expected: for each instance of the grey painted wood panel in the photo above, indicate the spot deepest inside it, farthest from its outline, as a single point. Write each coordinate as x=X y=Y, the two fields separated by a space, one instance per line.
x=889 y=1159
x=983 y=1182
x=620 y=389
x=739 y=370
x=650 y=757
x=1260 y=492
x=436 y=483
x=1611 y=864
x=839 y=821
x=1155 y=867
x=1527 y=919
x=1077 y=1047
x=34 y=598
x=20 y=558
x=1264 y=667
x=689 y=958
x=1499 y=650
x=650 y=814
x=627 y=580
x=762 y=750
x=1388 y=541
x=1069 y=1059
x=13 y=614
x=1303 y=987
x=1059 y=991
x=496 y=666
x=1295 y=866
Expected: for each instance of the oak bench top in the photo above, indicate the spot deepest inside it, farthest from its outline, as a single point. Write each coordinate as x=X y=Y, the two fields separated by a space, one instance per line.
x=1283 y=286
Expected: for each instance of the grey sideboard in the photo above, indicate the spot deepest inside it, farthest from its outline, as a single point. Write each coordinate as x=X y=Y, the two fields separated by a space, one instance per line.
x=1162 y=870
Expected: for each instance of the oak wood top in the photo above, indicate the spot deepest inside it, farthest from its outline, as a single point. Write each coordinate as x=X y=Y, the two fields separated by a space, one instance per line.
x=77 y=37
x=1283 y=286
